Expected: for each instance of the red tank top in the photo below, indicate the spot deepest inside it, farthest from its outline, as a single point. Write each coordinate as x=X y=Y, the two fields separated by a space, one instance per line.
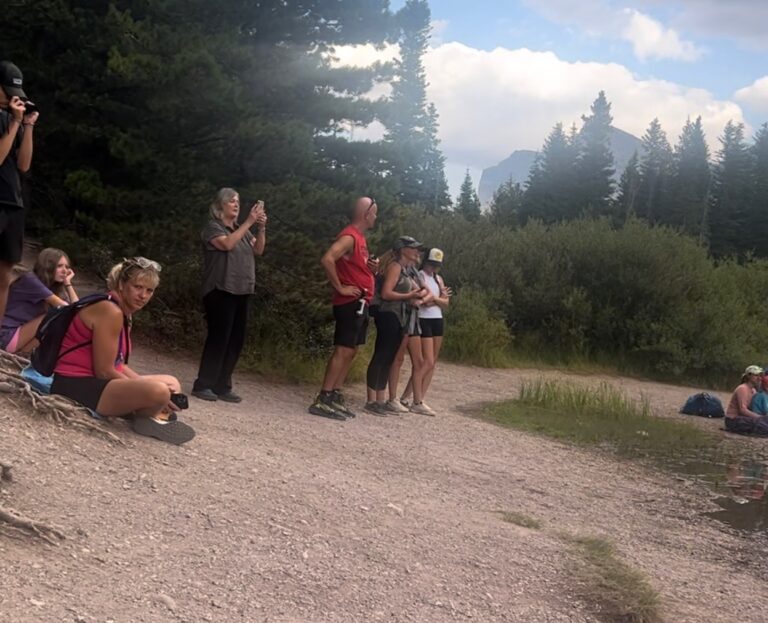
x=78 y=362
x=353 y=269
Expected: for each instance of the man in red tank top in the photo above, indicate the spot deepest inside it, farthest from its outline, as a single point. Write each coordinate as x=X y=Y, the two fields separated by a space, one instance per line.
x=350 y=271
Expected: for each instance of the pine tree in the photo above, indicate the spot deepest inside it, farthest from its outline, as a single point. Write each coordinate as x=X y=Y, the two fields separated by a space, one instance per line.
x=655 y=173
x=629 y=185
x=691 y=180
x=549 y=194
x=731 y=194
x=759 y=205
x=468 y=203
x=595 y=164
x=506 y=204
x=417 y=163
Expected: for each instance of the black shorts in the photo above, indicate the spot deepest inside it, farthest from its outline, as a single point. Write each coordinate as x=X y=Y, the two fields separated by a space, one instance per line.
x=431 y=327
x=11 y=234
x=86 y=390
x=351 y=328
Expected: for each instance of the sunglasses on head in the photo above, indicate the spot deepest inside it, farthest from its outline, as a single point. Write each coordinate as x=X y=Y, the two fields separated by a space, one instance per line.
x=142 y=262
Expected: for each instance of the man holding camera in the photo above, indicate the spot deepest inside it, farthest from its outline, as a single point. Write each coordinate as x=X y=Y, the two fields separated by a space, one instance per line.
x=17 y=120
x=350 y=271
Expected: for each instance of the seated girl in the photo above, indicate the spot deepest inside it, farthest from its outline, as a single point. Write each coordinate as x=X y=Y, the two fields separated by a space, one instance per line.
x=92 y=368
x=49 y=284
x=739 y=416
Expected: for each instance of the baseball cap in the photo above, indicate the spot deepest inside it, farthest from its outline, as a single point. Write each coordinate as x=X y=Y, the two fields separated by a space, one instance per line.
x=11 y=80
x=406 y=242
x=753 y=370
x=435 y=255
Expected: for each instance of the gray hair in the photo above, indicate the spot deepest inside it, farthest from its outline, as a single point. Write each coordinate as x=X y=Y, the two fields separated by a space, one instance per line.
x=222 y=197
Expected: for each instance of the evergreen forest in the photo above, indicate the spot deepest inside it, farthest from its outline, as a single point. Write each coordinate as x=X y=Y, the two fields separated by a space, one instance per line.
x=149 y=106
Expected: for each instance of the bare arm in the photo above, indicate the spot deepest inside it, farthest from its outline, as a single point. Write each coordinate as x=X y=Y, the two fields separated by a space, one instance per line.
x=24 y=158
x=390 y=281
x=227 y=242
x=343 y=246
x=444 y=298
x=744 y=399
x=55 y=301
x=260 y=240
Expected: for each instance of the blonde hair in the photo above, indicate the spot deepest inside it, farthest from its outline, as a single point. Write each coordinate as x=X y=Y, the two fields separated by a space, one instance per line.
x=223 y=196
x=131 y=270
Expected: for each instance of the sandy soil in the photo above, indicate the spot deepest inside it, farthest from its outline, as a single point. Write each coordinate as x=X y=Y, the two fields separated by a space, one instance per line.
x=272 y=514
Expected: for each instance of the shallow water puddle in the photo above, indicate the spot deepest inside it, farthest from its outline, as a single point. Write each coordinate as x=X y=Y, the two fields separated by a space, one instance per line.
x=745 y=507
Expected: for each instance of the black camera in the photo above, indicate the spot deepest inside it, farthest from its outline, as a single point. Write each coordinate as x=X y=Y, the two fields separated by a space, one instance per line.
x=29 y=107
x=180 y=400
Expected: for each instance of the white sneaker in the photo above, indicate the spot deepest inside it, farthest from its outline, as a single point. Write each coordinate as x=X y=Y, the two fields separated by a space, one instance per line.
x=394 y=406
x=422 y=408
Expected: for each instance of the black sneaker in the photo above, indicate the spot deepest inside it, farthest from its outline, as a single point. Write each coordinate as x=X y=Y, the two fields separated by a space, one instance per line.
x=323 y=408
x=205 y=394
x=175 y=432
x=229 y=396
x=338 y=403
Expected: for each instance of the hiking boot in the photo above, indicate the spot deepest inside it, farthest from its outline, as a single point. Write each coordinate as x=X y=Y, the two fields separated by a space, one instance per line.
x=205 y=394
x=229 y=396
x=422 y=408
x=323 y=408
x=338 y=403
x=376 y=408
x=394 y=406
x=170 y=431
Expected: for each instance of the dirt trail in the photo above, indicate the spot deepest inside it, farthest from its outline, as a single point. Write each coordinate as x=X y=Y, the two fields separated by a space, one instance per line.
x=272 y=514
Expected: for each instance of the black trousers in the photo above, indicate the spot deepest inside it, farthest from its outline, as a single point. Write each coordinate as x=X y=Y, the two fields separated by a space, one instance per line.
x=227 y=318
x=389 y=334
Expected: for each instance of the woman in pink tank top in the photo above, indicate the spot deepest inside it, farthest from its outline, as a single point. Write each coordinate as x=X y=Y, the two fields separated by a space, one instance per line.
x=95 y=372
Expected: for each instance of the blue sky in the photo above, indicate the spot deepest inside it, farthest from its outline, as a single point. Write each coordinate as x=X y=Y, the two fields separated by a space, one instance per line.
x=503 y=72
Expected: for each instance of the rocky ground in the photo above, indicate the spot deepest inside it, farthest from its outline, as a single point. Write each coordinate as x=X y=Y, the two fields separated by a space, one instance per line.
x=272 y=514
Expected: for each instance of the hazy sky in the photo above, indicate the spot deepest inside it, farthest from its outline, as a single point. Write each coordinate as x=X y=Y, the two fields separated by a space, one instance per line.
x=503 y=72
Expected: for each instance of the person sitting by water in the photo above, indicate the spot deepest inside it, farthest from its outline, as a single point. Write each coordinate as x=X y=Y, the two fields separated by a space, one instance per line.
x=92 y=367
x=739 y=417
x=31 y=293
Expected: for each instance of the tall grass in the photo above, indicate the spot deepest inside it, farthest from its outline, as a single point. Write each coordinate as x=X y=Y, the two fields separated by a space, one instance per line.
x=599 y=416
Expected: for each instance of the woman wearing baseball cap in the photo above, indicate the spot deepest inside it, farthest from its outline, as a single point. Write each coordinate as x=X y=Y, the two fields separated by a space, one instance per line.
x=431 y=317
x=739 y=418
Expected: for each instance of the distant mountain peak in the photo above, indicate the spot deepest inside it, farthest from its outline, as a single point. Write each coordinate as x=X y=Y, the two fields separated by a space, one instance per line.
x=518 y=165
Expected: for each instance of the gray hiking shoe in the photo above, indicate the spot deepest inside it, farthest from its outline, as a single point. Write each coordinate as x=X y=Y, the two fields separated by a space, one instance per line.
x=322 y=407
x=375 y=408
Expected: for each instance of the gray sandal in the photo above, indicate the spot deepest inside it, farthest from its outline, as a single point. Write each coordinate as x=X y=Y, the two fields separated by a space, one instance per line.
x=174 y=432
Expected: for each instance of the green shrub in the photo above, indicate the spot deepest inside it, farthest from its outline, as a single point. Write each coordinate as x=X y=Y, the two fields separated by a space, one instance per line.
x=475 y=333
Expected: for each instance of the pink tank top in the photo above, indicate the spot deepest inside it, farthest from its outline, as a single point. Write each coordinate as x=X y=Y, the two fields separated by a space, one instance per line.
x=79 y=361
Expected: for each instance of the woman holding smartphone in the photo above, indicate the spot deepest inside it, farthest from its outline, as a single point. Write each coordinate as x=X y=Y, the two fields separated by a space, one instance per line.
x=229 y=278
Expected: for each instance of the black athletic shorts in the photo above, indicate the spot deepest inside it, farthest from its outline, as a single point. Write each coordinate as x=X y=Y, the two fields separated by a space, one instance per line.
x=351 y=329
x=11 y=234
x=431 y=327
x=86 y=390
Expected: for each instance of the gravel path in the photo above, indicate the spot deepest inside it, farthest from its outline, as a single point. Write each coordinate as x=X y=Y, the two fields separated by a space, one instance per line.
x=272 y=514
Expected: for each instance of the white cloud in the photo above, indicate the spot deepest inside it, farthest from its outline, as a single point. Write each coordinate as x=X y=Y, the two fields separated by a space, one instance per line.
x=439 y=26
x=494 y=102
x=755 y=95
x=650 y=39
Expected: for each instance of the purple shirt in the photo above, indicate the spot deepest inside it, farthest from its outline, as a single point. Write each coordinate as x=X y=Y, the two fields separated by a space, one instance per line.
x=26 y=301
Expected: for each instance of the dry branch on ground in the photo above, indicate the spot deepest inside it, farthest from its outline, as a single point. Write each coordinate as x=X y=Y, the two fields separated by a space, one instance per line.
x=57 y=408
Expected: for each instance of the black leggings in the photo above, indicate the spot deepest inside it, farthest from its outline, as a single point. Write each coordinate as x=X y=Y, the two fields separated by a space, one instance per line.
x=389 y=334
x=227 y=318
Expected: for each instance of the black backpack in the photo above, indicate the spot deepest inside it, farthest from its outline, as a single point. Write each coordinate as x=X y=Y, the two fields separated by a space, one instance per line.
x=54 y=327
